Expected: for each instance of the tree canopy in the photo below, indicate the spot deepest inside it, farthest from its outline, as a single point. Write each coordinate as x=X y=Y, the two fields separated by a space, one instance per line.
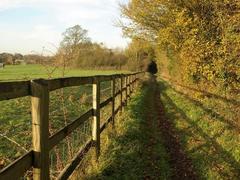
x=202 y=37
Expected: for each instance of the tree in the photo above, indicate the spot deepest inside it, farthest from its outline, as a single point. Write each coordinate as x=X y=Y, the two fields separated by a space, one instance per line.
x=139 y=52
x=18 y=56
x=77 y=50
x=201 y=37
x=73 y=37
x=7 y=58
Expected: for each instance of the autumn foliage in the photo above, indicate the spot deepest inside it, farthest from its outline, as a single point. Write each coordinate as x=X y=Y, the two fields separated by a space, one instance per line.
x=201 y=38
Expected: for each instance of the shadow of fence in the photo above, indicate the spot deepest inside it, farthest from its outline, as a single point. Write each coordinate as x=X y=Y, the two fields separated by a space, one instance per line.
x=207 y=151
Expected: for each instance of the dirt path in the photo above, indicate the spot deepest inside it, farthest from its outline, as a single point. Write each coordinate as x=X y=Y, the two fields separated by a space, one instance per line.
x=152 y=170
x=180 y=164
x=147 y=146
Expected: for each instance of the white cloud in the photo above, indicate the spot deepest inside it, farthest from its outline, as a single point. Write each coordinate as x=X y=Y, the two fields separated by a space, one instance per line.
x=8 y=4
x=43 y=32
x=95 y=15
x=32 y=40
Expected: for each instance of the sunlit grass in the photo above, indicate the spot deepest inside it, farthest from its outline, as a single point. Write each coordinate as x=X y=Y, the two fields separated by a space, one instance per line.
x=65 y=106
x=25 y=72
x=124 y=154
x=210 y=140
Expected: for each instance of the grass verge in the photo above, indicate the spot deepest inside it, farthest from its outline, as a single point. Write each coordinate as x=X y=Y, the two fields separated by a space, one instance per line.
x=211 y=142
x=126 y=152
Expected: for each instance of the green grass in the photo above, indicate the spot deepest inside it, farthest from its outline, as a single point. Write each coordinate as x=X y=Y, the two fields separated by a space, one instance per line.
x=125 y=152
x=20 y=72
x=15 y=117
x=206 y=135
x=65 y=104
x=206 y=128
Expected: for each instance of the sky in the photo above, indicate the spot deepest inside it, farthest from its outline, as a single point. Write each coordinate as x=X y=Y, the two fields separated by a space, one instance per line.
x=28 y=26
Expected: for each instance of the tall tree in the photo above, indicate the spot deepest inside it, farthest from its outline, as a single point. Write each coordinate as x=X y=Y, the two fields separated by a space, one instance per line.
x=73 y=37
x=202 y=35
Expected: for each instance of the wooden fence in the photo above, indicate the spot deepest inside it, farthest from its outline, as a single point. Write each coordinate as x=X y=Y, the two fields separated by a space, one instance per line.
x=39 y=90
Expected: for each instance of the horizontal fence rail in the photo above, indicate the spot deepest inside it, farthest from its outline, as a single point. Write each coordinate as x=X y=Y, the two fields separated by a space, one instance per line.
x=38 y=158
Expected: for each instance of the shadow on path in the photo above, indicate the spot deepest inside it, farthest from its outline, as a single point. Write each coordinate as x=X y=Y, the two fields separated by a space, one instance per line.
x=209 y=150
x=181 y=164
x=149 y=148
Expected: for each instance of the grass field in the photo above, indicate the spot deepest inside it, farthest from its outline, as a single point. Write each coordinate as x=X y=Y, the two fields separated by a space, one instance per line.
x=207 y=128
x=65 y=106
x=25 y=72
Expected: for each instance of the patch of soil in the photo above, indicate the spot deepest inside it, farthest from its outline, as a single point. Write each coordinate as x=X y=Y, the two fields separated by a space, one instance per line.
x=180 y=163
x=151 y=171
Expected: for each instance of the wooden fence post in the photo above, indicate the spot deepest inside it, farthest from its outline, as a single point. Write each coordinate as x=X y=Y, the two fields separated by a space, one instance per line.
x=126 y=86
x=137 y=80
x=131 y=85
x=134 y=81
x=113 y=99
x=129 y=82
x=40 y=129
x=96 y=116
x=121 y=95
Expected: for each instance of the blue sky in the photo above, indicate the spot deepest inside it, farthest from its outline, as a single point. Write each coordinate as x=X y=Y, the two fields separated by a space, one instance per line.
x=27 y=26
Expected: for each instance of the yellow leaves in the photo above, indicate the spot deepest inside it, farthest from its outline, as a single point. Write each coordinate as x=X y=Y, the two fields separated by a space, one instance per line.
x=205 y=35
x=2 y=163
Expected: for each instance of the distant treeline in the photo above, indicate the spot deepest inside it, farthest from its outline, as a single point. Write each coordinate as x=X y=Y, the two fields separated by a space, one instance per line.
x=76 y=50
x=17 y=58
x=92 y=56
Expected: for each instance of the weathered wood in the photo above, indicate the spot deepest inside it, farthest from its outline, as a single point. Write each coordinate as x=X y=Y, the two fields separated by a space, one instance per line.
x=116 y=76
x=11 y=90
x=69 y=169
x=131 y=84
x=128 y=85
x=40 y=129
x=96 y=117
x=121 y=92
x=54 y=84
x=39 y=89
x=18 y=168
x=61 y=134
x=134 y=80
x=117 y=110
x=104 y=125
x=126 y=91
x=103 y=78
x=105 y=103
x=113 y=99
x=117 y=93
